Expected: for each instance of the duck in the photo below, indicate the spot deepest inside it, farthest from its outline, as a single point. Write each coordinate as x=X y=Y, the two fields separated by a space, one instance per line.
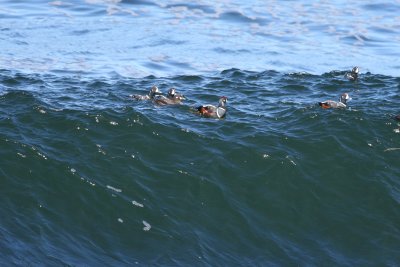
x=397 y=117
x=172 y=94
x=211 y=111
x=353 y=75
x=154 y=91
x=333 y=104
x=172 y=98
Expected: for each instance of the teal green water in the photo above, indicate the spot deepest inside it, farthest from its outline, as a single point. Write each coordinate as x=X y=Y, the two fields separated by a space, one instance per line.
x=91 y=177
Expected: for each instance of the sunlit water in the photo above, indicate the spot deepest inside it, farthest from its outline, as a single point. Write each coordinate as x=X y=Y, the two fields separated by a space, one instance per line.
x=140 y=38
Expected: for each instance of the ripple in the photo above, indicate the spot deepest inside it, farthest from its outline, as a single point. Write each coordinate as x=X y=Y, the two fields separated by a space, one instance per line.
x=101 y=178
x=235 y=16
x=387 y=7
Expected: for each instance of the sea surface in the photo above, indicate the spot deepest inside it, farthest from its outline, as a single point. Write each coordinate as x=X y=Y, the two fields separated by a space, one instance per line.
x=91 y=177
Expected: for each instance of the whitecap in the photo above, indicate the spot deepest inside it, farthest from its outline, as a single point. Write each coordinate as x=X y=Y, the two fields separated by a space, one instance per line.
x=135 y=203
x=114 y=189
x=147 y=226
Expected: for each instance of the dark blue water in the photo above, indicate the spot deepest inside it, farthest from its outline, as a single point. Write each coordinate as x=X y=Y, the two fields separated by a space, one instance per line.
x=90 y=177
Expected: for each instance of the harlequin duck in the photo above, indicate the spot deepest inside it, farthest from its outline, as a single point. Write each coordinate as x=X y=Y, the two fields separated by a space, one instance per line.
x=333 y=104
x=172 y=94
x=353 y=75
x=211 y=111
x=172 y=98
x=154 y=91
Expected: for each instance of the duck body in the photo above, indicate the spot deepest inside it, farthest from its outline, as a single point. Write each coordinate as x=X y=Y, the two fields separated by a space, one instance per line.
x=334 y=104
x=172 y=98
x=211 y=111
x=331 y=104
x=154 y=91
x=397 y=117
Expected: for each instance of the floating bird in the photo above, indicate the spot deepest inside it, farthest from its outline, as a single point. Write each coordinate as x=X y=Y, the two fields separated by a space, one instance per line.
x=173 y=98
x=333 y=104
x=154 y=91
x=353 y=75
x=397 y=117
x=211 y=111
x=172 y=94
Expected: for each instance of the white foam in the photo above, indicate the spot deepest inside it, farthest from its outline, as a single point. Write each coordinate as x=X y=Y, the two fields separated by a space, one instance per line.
x=100 y=150
x=291 y=161
x=137 y=204
x=391 y=149
x=183 y=172
x=40 y=154
x=21 y=155
x=114 y=189
x=147 y=226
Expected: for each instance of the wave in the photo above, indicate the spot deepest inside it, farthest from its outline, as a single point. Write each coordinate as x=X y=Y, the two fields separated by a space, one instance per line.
x=96 y=173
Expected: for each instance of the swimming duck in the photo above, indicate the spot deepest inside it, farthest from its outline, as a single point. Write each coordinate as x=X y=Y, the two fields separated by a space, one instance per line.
x=154 y=91
x=333 y=104
x=172 y=94
x=397 y=117
x=211 y=111
x=353 y=75
x=172 y=98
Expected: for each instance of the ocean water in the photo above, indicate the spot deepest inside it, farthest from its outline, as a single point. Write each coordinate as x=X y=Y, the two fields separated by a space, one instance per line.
x=91 y=177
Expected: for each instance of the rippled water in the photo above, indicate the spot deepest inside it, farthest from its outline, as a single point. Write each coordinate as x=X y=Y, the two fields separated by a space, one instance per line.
x=90 y=177
x=140 y=38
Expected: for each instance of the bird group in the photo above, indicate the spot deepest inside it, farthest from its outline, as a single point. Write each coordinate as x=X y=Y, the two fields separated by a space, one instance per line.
x=218 y=112
x=174 y=98
x=352 y=76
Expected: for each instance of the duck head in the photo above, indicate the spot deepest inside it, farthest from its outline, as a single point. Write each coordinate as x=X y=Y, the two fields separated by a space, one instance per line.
x=171 y=92
x=154 y=91
x=174 y=95
x=222 y=101
x=344 y=98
